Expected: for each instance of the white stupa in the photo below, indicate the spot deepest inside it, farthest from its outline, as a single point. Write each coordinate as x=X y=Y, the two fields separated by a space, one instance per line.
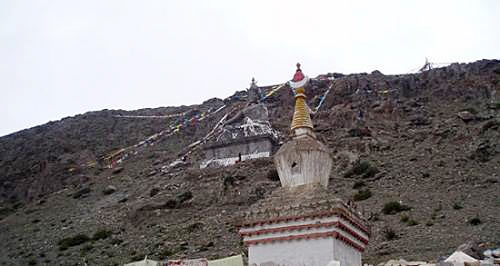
x=301 y=223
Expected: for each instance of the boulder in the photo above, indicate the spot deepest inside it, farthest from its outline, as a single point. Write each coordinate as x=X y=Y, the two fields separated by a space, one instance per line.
x=154 y=191
x=466 y=116
x=109 y=190
x=117 y=170
x=81 y=193
x=420 y=120
x=152 y=173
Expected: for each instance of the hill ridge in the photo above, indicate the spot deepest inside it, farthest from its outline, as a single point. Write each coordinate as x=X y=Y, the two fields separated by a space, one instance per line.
x=432 y=140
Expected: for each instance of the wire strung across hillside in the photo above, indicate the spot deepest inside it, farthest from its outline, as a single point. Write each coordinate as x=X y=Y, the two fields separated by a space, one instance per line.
x=273 y=90
x=150 y=116
x=192 y=147
x=120 y=155
x=116 y=157
x=322 y=99
x=177 y=128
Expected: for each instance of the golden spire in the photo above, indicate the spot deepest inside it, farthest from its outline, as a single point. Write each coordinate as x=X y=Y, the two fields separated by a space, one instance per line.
x=301 y=117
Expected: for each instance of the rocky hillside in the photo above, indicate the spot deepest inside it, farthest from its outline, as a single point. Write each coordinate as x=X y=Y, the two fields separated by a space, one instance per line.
x=422 y=160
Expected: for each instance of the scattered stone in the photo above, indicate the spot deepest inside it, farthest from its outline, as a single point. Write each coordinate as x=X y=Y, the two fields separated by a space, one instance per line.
x=154 y=191
x=40 y=202
x=466 y=116
x=152 y=173
x=359 y=132
x=442 y=143
x=122 y=200
x=485 y=151
x=81 y=193
x=117 y=170
x=419 y=120
x=109 y=190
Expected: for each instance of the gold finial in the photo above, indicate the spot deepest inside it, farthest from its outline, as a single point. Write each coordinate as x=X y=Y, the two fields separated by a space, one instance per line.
x=301 y=117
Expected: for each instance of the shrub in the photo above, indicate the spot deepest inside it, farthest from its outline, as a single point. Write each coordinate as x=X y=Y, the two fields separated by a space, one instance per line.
x=32 y=262
x=116 y=241
x=154 y=191
x=394 y=207
x=87 y=248
x=101 y=234
x=457 y=206
x=136 y=257
x=406 y=219
x=495 y=106
x=412 y=222
x=359 y=132
x=358 y=184
x=375 y=217
x=475 y=221
x=76 y=240
x=5 y=211
x=196 y=226
x=389 y=234
x=429 y=223
x=168 y=251
x=362 y=195
x=184 y=196
x=363 y=169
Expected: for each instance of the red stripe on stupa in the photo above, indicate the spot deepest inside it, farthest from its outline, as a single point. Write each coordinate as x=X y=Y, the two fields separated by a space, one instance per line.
x=333 y=234
x=337 y=211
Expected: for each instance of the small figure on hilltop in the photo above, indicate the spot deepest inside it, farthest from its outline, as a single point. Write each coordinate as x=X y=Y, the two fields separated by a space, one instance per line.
x=360 y=123
x=360 y=115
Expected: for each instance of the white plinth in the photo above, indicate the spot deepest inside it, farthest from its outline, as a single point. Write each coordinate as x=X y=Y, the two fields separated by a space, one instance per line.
x=305 y=242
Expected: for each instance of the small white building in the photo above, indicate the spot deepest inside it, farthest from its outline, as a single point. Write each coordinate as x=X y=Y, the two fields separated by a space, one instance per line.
x=301 y=224
x=248 y=135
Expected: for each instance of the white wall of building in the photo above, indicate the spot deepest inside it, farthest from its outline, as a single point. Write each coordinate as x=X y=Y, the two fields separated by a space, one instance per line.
x=347 y=255
x=306 y=252
x=233 y=160
x=303 y=252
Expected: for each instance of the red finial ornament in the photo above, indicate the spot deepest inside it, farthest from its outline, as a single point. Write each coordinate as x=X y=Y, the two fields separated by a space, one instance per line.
x=298 y=74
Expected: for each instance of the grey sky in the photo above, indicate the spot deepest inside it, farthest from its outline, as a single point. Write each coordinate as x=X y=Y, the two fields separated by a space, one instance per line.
x=60 y=57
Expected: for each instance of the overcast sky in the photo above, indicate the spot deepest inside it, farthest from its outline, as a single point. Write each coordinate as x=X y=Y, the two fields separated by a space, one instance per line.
x=60 y=58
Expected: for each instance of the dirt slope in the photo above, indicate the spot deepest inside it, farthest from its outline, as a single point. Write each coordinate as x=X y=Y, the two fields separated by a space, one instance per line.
x=430 y=141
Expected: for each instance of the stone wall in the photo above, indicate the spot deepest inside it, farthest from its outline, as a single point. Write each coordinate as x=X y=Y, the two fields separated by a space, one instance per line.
x=223 y=154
